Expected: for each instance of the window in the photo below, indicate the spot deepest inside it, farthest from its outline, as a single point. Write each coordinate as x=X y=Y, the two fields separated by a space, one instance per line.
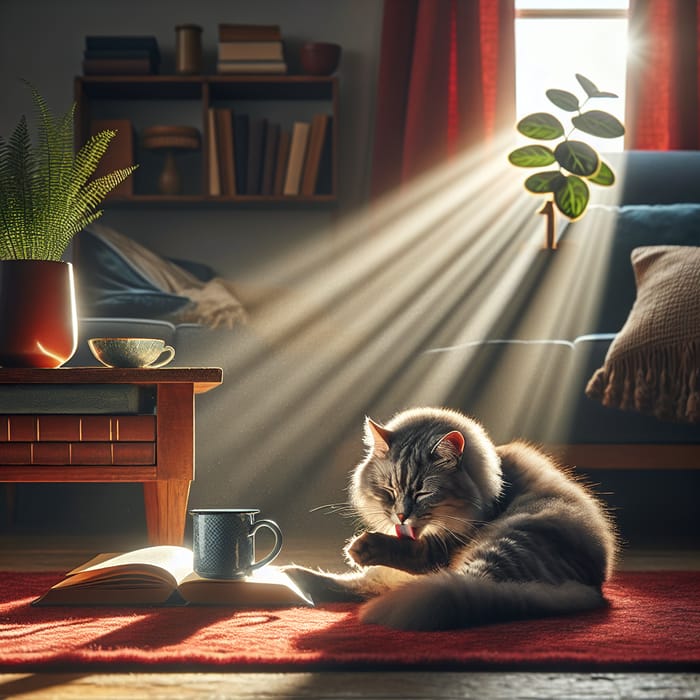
x=555 y=39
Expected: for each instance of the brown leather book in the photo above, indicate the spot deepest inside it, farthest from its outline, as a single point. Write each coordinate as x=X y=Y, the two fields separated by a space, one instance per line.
x=249 y=32
x=225 y=148
x=297 y=155
x=317 y=136
x=268 y=173
x=281 y=162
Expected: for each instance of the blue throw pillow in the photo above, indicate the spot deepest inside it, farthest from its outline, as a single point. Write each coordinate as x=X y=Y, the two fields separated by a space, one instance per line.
x=109 y=285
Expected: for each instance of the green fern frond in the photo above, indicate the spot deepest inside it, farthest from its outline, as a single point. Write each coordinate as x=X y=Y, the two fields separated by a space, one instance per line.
x=20 y=173
x=87 y=199
x=88 y=158
x=46 y=195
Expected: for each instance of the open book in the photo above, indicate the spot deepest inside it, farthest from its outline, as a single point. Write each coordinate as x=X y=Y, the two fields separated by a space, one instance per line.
x=163 y=575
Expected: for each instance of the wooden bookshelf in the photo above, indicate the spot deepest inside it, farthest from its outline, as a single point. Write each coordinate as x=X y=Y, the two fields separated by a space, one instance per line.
x=289 y=97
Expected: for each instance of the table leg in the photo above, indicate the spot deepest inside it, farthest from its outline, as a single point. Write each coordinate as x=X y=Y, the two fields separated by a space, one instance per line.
x=166 y=510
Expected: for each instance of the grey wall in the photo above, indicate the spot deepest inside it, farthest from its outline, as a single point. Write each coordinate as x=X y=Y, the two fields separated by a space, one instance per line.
x=42 y=41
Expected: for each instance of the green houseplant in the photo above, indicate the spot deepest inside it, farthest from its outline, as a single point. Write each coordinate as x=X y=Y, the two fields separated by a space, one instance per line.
x=575 y=162
x=47 y=195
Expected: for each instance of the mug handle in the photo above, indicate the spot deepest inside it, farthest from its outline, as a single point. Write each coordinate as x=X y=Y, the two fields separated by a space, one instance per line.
x=170 y=350
x=270 y=525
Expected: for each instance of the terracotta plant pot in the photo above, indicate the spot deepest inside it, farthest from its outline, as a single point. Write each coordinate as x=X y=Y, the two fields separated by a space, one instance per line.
x=38 y=318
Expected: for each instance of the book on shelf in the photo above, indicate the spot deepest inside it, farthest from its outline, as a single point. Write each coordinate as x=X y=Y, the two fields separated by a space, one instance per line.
x=251 y=51
x=269 y=158
x=241 y=123
x=116 y=53
x=117 y=66
x=163 y=575
x=281 y=160
x=226 y=151
x=317 y=137
x=257 y=67
x=297 y=155
x=119 y=153
x=213 y=154
x=250 y=32
x=104 y=47
x=257 y=130
x=324 y=180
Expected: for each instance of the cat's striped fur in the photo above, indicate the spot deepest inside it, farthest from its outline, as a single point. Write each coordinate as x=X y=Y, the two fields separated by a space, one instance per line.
x=501 y=532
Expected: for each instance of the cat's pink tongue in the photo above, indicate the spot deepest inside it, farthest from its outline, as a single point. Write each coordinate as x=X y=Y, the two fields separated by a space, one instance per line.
x=403 y=530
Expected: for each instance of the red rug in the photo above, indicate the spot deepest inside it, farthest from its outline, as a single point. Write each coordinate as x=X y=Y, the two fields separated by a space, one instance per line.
x=653 y=623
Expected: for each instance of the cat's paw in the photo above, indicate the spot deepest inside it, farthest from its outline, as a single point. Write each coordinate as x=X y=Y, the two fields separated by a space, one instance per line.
x=322 y=587
x=371 y=549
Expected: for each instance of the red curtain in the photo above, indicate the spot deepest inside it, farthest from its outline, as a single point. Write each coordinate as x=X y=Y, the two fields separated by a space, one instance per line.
x=663 y=75
x=446 y=81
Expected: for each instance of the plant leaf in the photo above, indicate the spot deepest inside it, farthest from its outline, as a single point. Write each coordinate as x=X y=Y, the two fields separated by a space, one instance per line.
x=534 y=156
x=599 y=123
x=541 y=126
x=572 y=197
x=604 y=176
x=564 y=100
x=548 y=181
x=590 y=87
x=577 y=157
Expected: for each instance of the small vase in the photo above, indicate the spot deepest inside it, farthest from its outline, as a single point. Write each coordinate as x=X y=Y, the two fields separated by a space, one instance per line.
x=38 y=317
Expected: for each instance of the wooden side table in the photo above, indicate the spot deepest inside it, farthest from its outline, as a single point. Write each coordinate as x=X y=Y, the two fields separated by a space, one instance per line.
x=94 y=424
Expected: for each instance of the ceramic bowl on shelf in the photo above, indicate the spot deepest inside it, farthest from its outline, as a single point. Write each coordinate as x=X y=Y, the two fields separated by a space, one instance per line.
x=131 y=352
x=319 y=57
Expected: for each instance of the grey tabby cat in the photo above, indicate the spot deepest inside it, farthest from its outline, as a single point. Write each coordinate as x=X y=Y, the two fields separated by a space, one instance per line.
x=490 y=533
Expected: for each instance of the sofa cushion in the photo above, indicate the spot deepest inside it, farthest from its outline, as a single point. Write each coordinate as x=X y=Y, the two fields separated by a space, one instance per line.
x=118 y=276
x=653 y=365
x=611 y=233
x=593 y=422
x=111 y=285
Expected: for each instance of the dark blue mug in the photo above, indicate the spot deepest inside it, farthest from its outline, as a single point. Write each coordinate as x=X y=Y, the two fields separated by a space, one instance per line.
x=223 y=541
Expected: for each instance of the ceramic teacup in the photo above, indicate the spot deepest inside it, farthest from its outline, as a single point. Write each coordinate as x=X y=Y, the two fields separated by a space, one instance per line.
x=223 y=541
x=131 y=352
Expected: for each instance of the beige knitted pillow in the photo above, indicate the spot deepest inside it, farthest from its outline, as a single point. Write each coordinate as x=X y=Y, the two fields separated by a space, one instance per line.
x=653 y=364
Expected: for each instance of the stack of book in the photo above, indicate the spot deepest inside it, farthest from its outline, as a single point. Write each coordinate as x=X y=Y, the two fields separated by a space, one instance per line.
x=250 y=48
x=255 y=156
x=121 y=55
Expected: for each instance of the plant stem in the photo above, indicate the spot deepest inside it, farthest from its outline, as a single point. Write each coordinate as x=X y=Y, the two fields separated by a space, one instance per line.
x=548 y=211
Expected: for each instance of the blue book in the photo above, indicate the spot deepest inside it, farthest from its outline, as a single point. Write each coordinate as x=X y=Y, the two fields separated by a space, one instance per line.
x=124 y=42
x=241 y=125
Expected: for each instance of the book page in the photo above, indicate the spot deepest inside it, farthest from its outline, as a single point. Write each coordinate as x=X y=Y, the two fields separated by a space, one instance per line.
x=177 y=561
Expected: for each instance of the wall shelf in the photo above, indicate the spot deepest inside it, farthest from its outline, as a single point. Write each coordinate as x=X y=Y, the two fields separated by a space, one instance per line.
x=187 y=99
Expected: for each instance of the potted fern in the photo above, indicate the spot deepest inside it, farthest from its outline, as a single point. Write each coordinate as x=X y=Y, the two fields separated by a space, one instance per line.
x=575 y=163
x=47 y=195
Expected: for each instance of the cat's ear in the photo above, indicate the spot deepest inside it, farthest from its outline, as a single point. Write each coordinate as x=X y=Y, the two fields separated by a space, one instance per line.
x=450 y=445
x=377 y=436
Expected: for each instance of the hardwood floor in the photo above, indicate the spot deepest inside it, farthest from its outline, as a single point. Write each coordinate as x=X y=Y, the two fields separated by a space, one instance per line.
x=41 y=553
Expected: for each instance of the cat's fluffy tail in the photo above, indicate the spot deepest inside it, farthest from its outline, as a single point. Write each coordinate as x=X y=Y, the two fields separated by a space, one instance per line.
x=449 y=601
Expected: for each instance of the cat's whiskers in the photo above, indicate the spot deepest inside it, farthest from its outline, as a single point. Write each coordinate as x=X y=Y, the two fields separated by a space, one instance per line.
x=333 y=508
x=444 y=533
